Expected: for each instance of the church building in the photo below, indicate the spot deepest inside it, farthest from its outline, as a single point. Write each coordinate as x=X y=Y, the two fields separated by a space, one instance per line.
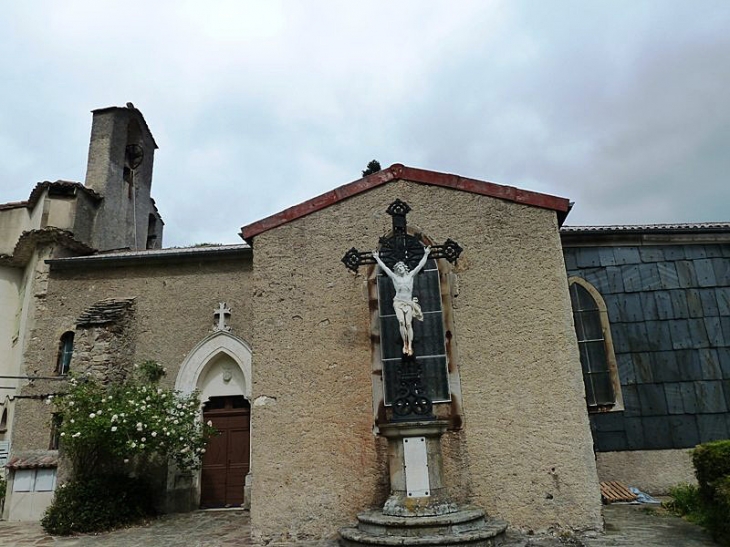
x=556 y=357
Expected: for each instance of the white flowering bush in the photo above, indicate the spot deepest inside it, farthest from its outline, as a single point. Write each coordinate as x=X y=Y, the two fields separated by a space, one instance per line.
x=114 y=435
x=104 y=425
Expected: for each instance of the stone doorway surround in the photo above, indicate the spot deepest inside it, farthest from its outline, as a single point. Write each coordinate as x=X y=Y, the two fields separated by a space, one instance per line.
x=219 y=365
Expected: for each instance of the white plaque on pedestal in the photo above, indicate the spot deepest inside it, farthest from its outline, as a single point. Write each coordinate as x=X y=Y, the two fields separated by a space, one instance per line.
x=416 y=467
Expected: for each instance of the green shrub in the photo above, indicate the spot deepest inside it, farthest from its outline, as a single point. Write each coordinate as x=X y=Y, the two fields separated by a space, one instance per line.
x=712 y=467
x=99 y=503
x=711 y=462
x=686 y=502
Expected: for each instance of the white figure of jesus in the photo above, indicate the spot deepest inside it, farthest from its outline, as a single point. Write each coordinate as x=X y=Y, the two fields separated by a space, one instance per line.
x=406 y=307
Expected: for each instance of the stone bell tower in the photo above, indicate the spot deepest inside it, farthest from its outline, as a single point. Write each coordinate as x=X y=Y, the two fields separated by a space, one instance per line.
x=121 y=157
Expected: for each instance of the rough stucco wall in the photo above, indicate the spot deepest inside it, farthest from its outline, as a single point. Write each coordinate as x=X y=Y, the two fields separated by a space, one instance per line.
x=527 y=428
x=651 y=471
x=174 y=306
x=13 y=222
x=315 y=459
x=526 y=433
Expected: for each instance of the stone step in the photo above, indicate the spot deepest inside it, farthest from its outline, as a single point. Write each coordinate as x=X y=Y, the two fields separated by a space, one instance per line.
x=465 y=520
x=484 y=537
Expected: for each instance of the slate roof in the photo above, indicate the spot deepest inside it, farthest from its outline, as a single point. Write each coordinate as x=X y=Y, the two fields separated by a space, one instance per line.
x=105 y=311
x=398 y=171
x=33 y=459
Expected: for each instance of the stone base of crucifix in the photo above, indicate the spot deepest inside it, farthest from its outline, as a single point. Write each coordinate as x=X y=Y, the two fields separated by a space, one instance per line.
x=416 y=469
x=419 y=511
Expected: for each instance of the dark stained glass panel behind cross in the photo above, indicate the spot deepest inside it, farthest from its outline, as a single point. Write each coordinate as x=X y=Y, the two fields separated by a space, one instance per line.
x=428 y=345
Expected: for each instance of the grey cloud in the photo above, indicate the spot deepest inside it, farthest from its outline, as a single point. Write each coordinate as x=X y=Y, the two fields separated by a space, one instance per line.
x=618 y=106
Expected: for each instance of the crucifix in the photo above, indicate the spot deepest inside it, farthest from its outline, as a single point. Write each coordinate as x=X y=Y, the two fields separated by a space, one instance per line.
x=221 y=312
x=401 y=257
x=401 y=246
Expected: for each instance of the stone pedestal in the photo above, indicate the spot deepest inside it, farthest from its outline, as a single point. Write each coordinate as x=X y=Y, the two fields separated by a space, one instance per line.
x=418 y=511
x=416 y=469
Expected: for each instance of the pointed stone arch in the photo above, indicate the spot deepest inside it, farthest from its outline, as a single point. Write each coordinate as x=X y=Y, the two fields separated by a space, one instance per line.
x=217 y=350
x=218 y=366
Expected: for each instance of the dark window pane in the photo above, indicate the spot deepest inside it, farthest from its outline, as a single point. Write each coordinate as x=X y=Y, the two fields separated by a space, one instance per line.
x=592 y=325
x=391 y=344
x=428 y=335
x=427 y=289
x=603 y=389
x=596 y=354
x=581 y=298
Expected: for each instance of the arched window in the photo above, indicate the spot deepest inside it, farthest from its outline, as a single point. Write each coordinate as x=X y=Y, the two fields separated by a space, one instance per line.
x=65 y=351
x=600 y=374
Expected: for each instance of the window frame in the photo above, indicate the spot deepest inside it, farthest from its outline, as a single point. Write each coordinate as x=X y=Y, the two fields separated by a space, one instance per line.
x=611 y=364
x=65 y=352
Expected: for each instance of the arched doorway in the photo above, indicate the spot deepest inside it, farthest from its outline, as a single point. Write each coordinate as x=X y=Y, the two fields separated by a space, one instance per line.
x=219 y=367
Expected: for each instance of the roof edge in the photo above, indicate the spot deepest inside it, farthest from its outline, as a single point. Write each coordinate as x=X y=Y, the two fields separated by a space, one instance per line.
x=646 y=234
x=37 y=191
x=398 y=171
x=28 y=241
x=152 y=256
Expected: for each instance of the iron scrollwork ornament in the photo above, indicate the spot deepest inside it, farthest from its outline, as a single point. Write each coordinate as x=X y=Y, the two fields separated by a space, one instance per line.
x=411 y=397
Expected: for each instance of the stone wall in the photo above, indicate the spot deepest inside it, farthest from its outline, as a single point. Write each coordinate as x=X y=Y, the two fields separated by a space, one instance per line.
x=525 y=450
x=652 y=471
x=105 y=340
x=173 y=311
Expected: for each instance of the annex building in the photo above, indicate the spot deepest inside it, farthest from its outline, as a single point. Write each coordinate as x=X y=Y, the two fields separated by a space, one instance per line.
x=568 y=355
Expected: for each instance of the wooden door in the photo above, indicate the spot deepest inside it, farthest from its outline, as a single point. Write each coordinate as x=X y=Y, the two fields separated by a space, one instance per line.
x=226 y=460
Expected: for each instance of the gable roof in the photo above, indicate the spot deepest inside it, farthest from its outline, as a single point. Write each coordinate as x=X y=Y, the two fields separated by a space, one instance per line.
x=398 y=171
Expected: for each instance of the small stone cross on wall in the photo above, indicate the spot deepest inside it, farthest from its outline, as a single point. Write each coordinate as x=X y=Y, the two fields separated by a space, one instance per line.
x=221 y=313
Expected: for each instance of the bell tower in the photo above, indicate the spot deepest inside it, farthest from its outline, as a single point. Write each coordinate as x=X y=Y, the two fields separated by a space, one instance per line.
x=121 y=157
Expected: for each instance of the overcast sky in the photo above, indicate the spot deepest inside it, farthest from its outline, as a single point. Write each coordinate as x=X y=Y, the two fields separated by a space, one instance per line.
x=623 y=107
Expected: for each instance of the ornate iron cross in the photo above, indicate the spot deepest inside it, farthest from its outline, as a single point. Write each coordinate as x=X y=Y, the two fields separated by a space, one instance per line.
x=411 y=397
x=401 y=246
